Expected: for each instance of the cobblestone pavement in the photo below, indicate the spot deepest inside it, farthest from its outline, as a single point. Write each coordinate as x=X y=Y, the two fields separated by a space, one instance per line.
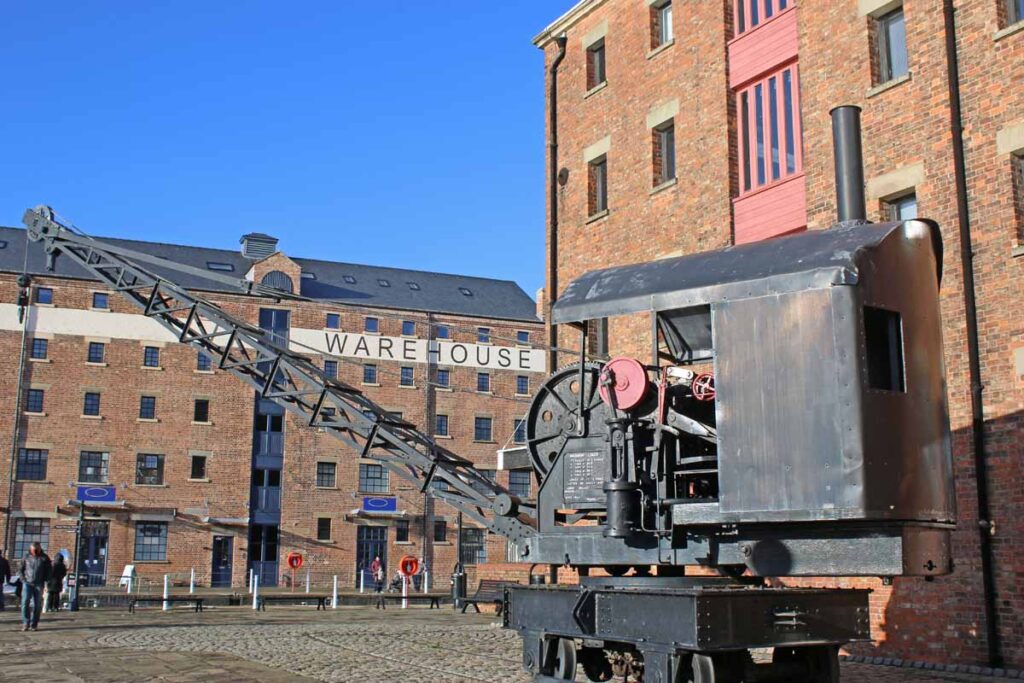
x=290 y=644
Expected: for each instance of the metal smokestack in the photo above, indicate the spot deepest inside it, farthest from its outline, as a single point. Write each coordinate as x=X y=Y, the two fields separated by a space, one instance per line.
x=849 y=158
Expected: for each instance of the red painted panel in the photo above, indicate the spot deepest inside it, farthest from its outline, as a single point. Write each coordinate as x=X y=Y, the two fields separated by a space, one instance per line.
x=764 y=48
x=773 y=211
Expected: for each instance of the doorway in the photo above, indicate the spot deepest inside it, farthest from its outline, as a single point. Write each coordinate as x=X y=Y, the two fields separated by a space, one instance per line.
x=371 y=542
x=220 y=571
x=92 y=564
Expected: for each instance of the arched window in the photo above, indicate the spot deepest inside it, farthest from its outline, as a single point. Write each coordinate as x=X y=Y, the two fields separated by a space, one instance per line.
x=278 y=280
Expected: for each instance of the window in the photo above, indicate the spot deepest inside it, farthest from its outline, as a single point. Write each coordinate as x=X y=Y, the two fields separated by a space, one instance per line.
x=92 y=467
x=32 y=464
x=100 y=300
x=150 y=541
x=438 y=484
x=201 y=410
x=483 y=381
x=519 y=483
x=203 y=362
x=519 y=431
x=408 y=328
x=770 y=128
x=278 y=280
x=369 y=374
x=323 y=528
x=440 y=531
x=444 y=378
x=333 y=321
x=1017 y=169
x=664 y=153
x=440 y=425
x=489 y=475
x=661 y=24
x=147 y=408
x=442 y=332
x=752 y=13
x=595 y=65
x=151 y=357
x=597 y=186
x=522 y=385
x=1014 y=11
x=465 y=291
x=474 y=546
x=382 y=282
x=483 y=335
x=198 y=467
x=91 y=405
x=149 y=469
x=482 y=429
x=522 y=337
x=371 y=325
x=28 y=531
x=331 y=368
x=401 y=531
x=414 y=286
x=406 y=377
x=306 y=275
x=39 y=349
x=96 y=352
x=891 y=45
x=883 y=336
x=44 y=295
x=326 y=475
x=373 y=478
x=34 y=401
x=902 y=208
x=223 y=267
x=348 y=279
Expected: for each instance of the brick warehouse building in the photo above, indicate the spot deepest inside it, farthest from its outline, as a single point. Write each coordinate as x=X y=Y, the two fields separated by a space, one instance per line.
x=206 y=476
x=688 y=126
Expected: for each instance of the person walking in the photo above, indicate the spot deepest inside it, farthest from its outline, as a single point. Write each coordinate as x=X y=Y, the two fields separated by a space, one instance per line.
x=34 y=572
x=55 y=584
x=5 y=577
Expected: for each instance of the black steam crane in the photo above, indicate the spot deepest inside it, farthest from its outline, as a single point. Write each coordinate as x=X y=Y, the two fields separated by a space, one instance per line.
x=791 y=421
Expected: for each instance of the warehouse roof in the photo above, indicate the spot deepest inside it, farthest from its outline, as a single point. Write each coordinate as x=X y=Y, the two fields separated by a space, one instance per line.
x=329 y=280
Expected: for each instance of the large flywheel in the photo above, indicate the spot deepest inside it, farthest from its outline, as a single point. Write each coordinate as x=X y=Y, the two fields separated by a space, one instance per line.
x=555 y=416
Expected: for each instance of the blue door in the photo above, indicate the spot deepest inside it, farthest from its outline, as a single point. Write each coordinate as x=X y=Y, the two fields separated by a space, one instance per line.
x=220 y=572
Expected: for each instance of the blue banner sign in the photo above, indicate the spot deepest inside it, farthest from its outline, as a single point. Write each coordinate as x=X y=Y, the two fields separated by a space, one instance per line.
x=97 y=494
x=380 y=504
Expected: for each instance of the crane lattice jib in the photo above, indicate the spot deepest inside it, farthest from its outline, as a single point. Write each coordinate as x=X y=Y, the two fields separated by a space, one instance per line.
x=264 y=361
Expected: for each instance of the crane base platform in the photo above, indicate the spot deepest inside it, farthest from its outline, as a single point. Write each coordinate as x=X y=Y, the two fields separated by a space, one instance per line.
x=688 y=629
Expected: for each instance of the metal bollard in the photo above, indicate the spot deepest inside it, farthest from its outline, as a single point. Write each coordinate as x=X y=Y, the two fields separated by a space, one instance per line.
x=192 y=582
x=405 y=591
x=167 y=592
x=256 y=591
x=334 y=594
x=362 y=580
x=307 y=580
x=249 y=584
x=426 y=582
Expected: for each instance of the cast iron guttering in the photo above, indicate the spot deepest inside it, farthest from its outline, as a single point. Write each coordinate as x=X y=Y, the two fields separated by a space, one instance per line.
x=995 y=657
x=26 y=295
x=552 y=291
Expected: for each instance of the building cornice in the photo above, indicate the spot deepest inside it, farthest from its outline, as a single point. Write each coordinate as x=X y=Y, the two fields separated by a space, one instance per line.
x=566 y=21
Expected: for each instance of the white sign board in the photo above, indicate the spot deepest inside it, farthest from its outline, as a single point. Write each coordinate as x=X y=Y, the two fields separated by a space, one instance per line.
x=128 y=575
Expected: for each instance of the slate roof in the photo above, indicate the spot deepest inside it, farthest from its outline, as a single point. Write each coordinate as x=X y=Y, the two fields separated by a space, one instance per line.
x=437 y=292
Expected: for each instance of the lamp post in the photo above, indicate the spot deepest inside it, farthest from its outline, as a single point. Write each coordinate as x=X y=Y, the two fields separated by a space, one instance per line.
x=73 y=592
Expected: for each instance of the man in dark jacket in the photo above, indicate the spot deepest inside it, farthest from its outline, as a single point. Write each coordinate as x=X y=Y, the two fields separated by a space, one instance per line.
x=5 y=576
x=55 y=584
x=34 y=573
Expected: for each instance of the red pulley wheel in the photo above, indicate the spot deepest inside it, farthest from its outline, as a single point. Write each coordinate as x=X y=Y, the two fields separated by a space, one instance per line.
x=626 y=379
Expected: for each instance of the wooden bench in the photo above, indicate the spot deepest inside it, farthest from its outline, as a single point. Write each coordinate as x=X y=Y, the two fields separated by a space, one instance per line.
x=489 y=591
x=197 y=602
x=321 y=600
x=435 y=600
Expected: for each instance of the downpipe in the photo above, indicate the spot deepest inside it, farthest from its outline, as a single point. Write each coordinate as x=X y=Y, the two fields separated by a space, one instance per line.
x=552 y=291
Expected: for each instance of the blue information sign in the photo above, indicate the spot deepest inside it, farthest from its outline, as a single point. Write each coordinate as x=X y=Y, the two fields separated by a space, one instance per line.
x=97 y=494
x=380 y=504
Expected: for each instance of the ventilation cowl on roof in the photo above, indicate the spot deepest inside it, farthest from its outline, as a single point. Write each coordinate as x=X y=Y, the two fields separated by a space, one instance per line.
x=257 y=245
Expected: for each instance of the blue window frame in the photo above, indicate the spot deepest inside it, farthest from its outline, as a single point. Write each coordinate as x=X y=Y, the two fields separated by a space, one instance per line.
x=147 y=408
x=441 y=425
x=892 y=46
x=522 y=337
x=442 y=332
x=519 y=483
x=483 y=335
x=331 y=368
x=91 y=405
x=93 y=467
x=32 y=464
x=203 y=362
x=519 y=431
x=483 y=381
x=369 y=374
x=34 y=400
x=371 y=325
x=373 y=478
x=522 y=385
x=40 y=347
x=444 y=378
x=407 y=376
x=333 y=321
x=44 y=295
x=482 y=430
x=150 y=541
x=96 y=352
x=326 y=475
x=151 y=357
x=100 y=300
x=408 y=328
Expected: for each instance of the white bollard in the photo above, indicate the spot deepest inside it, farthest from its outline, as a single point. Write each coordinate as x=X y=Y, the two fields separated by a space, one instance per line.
x=249 y=585
x=256 y=591
x=192 y=582
x=167 y=592
x=334 y=594
x=405 y=591
x=426 y=582
x=362 y=580
x=307 y=580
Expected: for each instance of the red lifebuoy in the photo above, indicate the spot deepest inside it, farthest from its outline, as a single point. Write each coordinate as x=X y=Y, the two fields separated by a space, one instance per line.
x=409 y=565
x=294 y=560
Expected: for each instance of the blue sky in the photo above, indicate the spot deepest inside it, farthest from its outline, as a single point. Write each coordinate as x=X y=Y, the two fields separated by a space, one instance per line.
x=404 y=133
